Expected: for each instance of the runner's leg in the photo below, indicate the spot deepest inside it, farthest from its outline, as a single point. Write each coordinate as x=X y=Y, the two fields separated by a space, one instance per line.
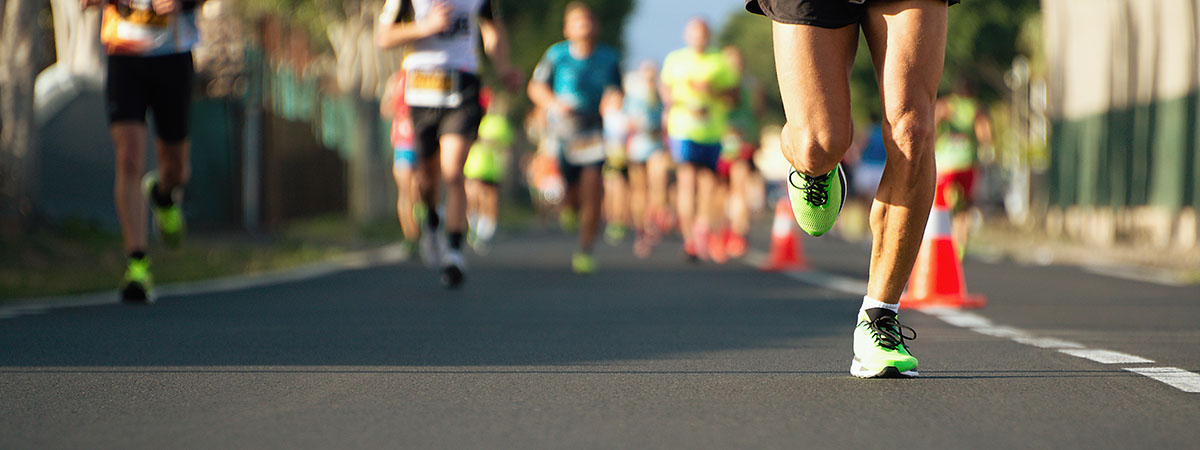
x=454 y=149
x=637 y=196
x=685 y=202
x=907 y=40
x=813 y=65
x=129 y=138
x=591 y=196
x=174 y=167
x=404 y=202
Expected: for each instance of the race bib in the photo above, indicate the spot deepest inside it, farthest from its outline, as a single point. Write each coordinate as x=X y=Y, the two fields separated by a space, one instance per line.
x=585 y=148
x=433 y=88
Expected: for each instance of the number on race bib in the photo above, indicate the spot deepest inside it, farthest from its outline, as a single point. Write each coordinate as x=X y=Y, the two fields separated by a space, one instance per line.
x=432 y=89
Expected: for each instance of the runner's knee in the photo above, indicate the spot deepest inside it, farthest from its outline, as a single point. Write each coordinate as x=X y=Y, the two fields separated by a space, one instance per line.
x=912 y=132
x=129 y=162
x=814 y=152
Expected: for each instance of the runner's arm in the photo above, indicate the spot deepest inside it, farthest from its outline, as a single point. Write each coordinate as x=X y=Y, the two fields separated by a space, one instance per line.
x=397 y=28
x=614 y=91
x=495 y=45
x=540 y=91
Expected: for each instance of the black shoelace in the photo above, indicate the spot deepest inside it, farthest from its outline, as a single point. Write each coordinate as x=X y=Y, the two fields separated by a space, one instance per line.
x=889 y=333
x=815 y=191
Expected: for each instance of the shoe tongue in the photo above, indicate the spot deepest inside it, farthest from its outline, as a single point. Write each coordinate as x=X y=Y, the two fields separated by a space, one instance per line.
x=877 y=313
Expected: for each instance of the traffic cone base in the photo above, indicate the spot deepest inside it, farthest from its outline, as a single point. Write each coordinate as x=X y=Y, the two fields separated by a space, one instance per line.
x=937 y=277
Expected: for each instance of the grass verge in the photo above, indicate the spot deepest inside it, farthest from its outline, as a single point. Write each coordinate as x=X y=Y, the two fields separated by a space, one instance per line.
x=74 y=258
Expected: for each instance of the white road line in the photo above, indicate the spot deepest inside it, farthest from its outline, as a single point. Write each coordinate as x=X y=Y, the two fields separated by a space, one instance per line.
x=963 y=319
x=1046 y=342
x=1175 y=377
x=1105 y=356
x=1160 y=277
x=1001 y=331
x=755 y=258
x=358 y=260
x=1178 y=378
x=829 y=281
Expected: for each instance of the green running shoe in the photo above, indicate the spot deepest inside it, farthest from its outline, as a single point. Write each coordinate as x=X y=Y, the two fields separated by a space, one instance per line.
x=817 y=201
x=137 y=286
x=879 y=350
x=614 y=234
x=583 y=263
x=168 y=221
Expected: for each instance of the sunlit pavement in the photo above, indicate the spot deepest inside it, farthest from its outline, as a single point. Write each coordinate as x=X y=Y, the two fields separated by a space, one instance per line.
x=651 y=353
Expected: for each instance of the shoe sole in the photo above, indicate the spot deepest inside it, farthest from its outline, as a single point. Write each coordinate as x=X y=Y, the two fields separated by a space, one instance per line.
x=857 y=369
x=452 y=277
x=135 y=294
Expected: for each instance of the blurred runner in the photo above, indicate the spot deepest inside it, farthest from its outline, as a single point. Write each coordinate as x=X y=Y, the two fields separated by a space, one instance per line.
x=962 y=128
x=484 y=171
x=404 y=159
x=696 y=83
x=815 y=43
x=546 y=184
x=442 y=92
x=570 y=83
x=616 y=171
x=149 y=46
x=735 y=169
x=648 y=188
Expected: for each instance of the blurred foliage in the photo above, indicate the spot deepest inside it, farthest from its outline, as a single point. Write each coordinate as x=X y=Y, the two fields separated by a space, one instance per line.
x=533 y=25
x=751 y=34
x=310 y=15
x=982 y=39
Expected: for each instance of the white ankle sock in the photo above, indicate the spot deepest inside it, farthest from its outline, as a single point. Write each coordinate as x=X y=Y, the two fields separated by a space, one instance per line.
x=869 y=303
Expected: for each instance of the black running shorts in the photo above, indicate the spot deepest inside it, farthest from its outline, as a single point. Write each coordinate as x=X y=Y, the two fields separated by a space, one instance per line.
x=429 y=124
x=821 y=13
x=162 y=84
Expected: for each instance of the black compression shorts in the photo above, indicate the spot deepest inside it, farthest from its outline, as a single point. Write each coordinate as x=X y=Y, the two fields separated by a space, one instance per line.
x=162 y=84
x=429 y=124
x=821 y=13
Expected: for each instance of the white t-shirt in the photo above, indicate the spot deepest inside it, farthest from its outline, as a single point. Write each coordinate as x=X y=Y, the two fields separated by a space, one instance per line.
x=454 y=48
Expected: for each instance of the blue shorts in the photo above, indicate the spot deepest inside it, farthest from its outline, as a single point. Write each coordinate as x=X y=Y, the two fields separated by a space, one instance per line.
x=703 y=155
x=405 y=158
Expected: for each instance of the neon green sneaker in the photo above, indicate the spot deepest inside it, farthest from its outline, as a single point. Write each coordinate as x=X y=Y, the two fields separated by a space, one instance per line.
x=583 y=263
x=614 y=234
x=817 y=201
x=138 y=285
x=879 y=350
x=168 y=221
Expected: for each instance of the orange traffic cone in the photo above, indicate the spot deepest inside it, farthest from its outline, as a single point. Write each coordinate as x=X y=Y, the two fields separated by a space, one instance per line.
x=787 y=250
x=937 y=277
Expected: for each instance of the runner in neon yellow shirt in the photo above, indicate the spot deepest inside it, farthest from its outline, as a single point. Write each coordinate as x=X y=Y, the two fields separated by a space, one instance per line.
x=696 y=85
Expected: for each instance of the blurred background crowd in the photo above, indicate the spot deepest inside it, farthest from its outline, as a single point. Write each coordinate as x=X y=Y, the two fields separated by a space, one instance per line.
x=1091 y=111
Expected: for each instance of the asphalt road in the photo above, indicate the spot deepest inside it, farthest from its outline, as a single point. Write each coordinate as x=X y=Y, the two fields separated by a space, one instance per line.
x=645 y=354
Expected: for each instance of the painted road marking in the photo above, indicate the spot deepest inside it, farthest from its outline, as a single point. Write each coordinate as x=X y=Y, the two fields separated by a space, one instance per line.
x=1178 y=378
x=1047 y=342
x=1105 y=356
x=1175 y=377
